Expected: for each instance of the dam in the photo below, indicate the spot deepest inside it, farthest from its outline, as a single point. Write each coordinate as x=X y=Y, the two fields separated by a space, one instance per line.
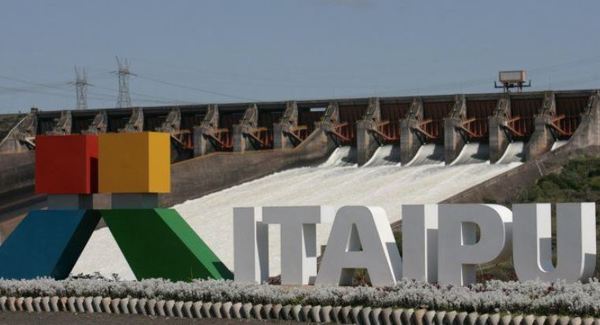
x=244 y=134
x=370 y=151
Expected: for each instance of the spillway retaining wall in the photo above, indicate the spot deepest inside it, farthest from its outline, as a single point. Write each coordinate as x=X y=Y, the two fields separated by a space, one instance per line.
x=217 y=171
x=16 y=171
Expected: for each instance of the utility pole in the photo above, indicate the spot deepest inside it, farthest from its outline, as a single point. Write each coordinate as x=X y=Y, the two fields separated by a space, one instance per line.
x=81 y=86
x=123 y=73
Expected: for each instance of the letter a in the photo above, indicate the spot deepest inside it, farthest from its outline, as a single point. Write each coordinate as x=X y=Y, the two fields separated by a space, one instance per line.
x=361 y=237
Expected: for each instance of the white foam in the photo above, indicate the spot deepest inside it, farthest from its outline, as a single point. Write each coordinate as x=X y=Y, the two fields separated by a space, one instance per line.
x=387 y=155
x=428 y=154
x=341 y=157
x=472 y=153
x=515 y=152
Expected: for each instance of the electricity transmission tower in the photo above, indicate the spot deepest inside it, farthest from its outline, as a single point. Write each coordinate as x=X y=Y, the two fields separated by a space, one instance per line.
x=123 y=73
x=81 y=86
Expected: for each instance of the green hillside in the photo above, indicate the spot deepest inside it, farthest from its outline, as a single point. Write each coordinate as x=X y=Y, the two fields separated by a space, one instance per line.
x=579 y=181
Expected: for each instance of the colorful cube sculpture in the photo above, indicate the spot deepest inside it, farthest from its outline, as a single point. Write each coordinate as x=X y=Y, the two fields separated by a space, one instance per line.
x=66 y=164
x=134 y=162
x=158 y=243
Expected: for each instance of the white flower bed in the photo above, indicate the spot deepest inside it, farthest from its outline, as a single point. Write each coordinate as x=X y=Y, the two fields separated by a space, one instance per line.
x=492 y=297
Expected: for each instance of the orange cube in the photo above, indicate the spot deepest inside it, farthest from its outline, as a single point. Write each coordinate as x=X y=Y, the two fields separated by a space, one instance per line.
x=134 y=162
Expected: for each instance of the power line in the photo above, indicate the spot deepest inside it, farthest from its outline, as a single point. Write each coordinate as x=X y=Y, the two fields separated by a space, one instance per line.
x=158 y=99
x=55 y=85
x=49 y=93
x=34 y=88
x=59 y=86
x=125 y=94
x=235 y=76
x=172 y=84
x=12 y=90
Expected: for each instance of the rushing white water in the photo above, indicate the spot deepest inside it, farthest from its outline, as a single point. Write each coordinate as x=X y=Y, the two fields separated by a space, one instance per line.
x=472 y=153
x=211 y=216
x=515 y=152
x=341 y=157
x=388 y=155
x=428 y=154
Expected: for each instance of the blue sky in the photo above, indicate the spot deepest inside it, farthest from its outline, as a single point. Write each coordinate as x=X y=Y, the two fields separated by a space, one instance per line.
x=226 y=51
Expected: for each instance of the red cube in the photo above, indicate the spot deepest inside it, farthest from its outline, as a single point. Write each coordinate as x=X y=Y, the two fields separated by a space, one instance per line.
x=66 y=164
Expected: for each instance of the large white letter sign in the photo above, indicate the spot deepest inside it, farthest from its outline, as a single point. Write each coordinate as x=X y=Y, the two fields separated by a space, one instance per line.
x=575 y=241
x=250 y=246
x=419 y=242
x=361 y=237
x=298 y=239
x=459 y=250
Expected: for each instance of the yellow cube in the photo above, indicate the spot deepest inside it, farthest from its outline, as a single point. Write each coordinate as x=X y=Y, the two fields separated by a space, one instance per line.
x=134 y=162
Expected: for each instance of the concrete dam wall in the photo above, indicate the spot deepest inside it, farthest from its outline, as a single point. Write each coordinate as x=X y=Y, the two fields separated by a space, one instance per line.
x=402 y=125
x=366 y=123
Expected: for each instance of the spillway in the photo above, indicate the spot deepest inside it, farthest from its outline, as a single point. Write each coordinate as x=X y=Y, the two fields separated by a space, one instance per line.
x=341 y=157
x=428 y=154
x=337 y=182
x=472 y=153
x=388 y=155
x=515 y=152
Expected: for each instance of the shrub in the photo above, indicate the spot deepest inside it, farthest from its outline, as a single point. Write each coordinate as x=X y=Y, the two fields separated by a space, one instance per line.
x=492 y=296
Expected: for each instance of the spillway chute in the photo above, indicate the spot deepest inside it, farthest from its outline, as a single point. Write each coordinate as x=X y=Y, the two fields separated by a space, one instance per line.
x=472 y=153
x=428 y=154
x=388 y=155
x=344 y=156
x=515 y=152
